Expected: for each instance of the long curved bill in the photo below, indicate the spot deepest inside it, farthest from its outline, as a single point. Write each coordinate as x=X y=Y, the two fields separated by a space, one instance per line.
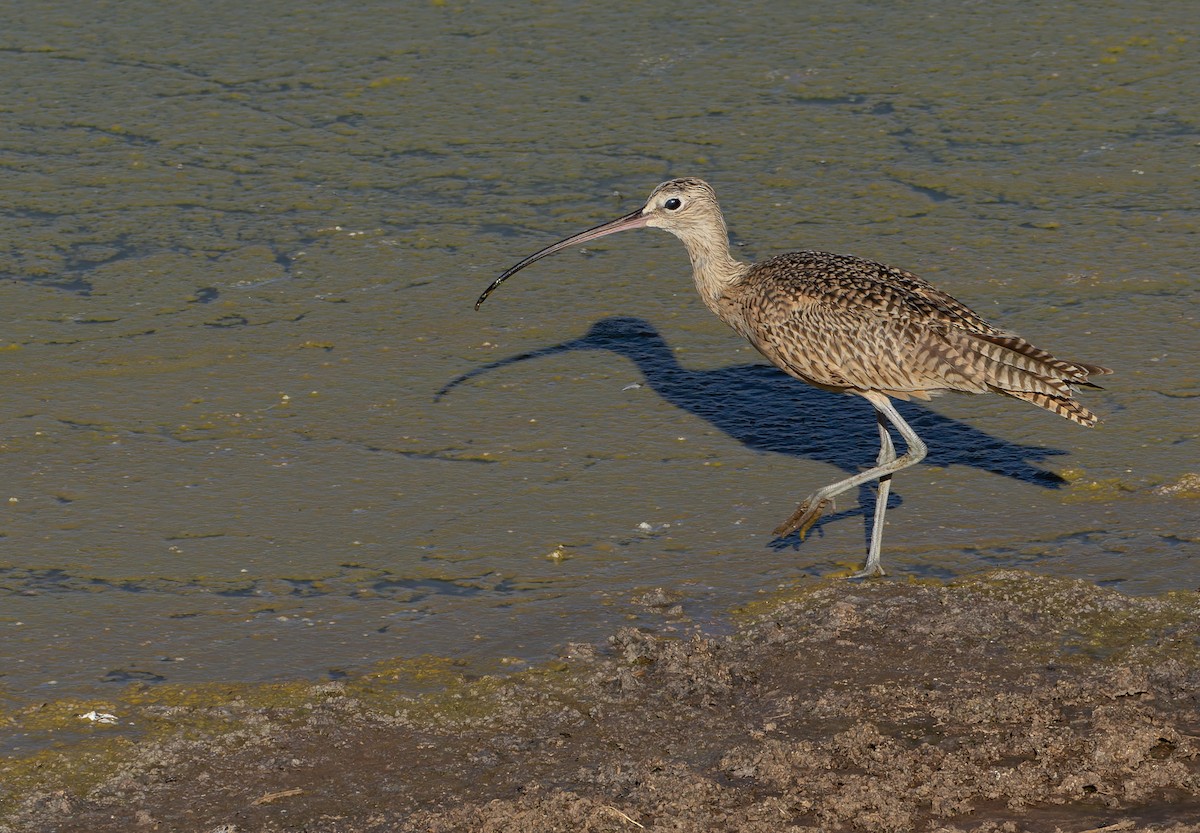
x=635 y=219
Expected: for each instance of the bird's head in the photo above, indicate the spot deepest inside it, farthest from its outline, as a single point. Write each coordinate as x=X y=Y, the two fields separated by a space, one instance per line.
x=685 y=207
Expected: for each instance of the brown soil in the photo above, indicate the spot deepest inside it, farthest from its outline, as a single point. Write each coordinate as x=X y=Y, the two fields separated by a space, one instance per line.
x=1008 y=703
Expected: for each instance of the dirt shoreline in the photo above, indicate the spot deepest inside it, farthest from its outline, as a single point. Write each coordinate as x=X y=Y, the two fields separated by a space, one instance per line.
x=1003 y=703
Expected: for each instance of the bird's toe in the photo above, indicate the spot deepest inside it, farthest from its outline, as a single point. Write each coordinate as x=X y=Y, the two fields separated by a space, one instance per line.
x=806 y=514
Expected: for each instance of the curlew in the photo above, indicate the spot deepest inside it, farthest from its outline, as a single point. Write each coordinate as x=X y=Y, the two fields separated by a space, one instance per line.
x=849 y=325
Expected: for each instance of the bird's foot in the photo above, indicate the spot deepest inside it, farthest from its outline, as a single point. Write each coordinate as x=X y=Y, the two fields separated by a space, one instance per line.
x=803 y=518
x=870 y=571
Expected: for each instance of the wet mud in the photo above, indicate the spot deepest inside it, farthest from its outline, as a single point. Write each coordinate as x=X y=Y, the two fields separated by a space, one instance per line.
x=1002 y=703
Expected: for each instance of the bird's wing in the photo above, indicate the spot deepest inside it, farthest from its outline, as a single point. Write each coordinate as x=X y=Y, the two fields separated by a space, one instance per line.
x=852 y=324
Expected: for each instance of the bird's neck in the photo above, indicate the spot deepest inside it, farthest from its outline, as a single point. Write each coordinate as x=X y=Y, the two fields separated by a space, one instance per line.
x=715 y=271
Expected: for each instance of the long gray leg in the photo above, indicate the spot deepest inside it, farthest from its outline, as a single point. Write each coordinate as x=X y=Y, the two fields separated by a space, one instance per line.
x=887 y=464
x=887 y=453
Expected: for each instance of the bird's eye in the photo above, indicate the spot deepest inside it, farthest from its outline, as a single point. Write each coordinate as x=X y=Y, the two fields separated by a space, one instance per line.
x=673 y=204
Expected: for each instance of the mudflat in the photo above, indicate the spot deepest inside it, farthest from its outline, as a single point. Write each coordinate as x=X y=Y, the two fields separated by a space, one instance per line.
x=1007 y=702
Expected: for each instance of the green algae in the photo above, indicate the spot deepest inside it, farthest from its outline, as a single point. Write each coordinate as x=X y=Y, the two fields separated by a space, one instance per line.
x=1077 y=621
x=1087 y=623
x=78 y=753
x=800 y=593
x=1087 y=490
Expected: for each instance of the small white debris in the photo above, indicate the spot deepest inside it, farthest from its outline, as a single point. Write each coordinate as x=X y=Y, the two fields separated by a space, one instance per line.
x=634 y=386
x=99 y=717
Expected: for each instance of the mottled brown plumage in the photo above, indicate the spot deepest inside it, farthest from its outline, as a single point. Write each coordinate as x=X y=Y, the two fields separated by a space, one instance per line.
x=849 y=325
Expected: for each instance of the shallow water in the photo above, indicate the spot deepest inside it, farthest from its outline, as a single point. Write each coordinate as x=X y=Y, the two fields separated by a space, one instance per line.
x=253 y=429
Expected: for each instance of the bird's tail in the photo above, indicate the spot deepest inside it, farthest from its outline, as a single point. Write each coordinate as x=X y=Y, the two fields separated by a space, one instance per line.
x=1064 y=406
x=1023 y=371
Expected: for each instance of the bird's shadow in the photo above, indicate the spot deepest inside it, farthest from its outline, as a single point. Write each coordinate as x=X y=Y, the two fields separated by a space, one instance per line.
x=768 y=411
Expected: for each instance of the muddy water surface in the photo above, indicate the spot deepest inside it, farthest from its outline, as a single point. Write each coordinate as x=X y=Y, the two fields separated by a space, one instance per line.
x=252 y=428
